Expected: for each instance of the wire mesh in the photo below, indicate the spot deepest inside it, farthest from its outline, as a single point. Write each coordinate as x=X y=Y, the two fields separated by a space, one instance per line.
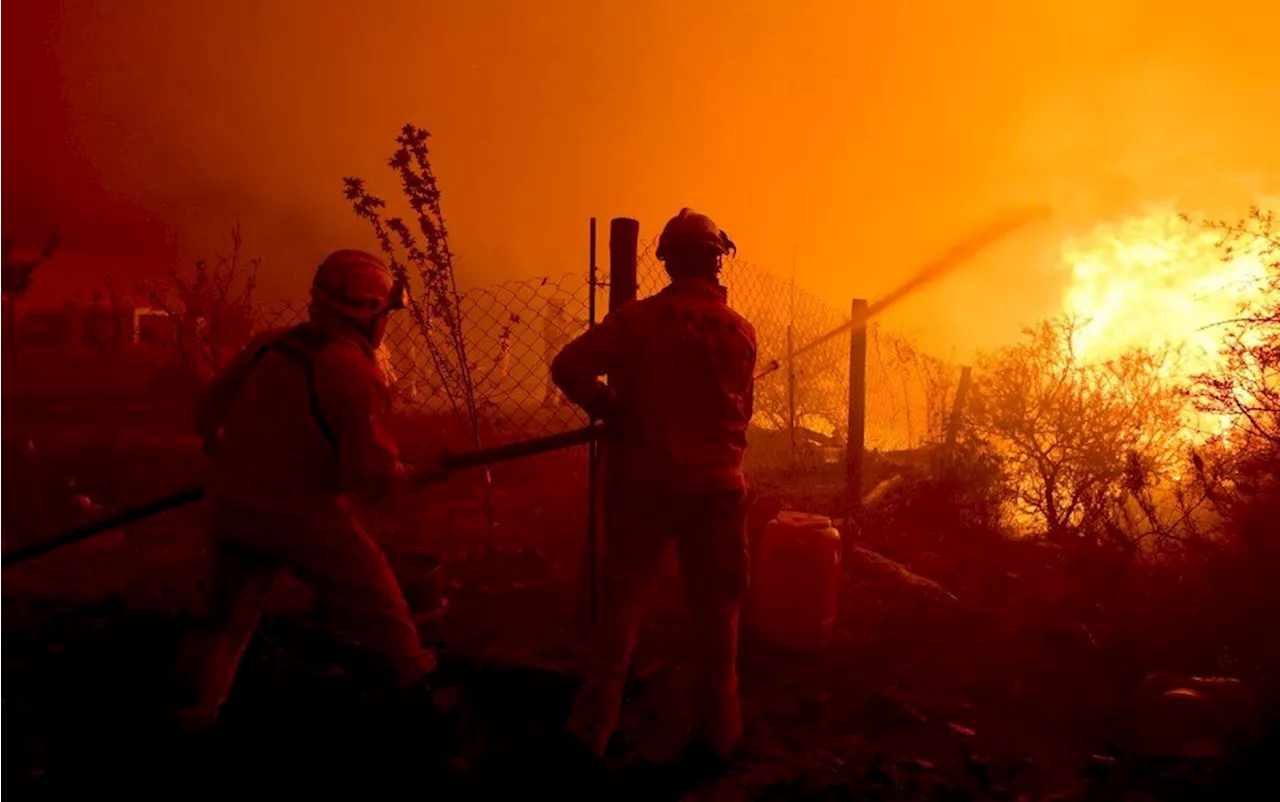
x=514 y=329
x=908 y=392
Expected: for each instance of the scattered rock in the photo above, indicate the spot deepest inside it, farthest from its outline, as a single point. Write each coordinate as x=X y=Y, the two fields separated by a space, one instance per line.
x=960 y=729
x=918 y=765
x=1195 y=717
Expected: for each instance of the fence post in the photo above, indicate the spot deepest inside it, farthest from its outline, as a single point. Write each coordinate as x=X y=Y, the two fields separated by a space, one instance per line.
x=855 y=448
x=624 y=254
x=624 y=244
x=957 y=406
x=791 y=391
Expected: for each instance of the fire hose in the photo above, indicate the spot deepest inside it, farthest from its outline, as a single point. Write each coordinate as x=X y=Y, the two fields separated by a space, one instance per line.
x=927 y=274
x=452 y=462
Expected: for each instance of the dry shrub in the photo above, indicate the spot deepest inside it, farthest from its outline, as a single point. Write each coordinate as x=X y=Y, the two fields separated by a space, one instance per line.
x=1081 y=443
x=437 y=309
x=212 y=308
x=1240 y=469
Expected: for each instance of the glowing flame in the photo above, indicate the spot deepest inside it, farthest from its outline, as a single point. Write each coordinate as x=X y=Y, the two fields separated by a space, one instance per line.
x=1157 y=281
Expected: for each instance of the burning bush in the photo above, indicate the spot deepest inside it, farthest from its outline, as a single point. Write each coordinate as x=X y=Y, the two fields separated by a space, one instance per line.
x=1215 y=287
x=1080 y=441
x=1240 y=466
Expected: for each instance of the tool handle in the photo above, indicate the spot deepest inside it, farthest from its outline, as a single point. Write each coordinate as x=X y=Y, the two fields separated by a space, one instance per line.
x=181 y=498
x=452 y=462
x=523 y=448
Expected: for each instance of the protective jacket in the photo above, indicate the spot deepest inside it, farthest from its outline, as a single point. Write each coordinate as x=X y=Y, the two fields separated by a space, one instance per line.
x=680 y=367
x=300 y=419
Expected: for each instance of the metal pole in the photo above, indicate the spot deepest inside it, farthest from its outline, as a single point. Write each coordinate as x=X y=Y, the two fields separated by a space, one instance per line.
x=593 y=449
x=591 y=278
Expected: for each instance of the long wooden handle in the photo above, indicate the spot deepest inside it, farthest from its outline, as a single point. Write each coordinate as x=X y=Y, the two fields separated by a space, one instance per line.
x=470 y=459
x=179 y=499
x=522 y=448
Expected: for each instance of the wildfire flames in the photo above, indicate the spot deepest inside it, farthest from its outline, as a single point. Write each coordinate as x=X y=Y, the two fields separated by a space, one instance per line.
x=1157 y=281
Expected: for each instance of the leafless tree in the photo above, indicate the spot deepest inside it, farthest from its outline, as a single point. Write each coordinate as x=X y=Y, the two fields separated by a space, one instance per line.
x=1077 y=439
x=1246 y=385
x=212 y=307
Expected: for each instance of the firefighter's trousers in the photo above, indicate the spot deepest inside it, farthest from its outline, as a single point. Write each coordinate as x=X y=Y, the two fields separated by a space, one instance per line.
x=710 y=535
x=357 y=594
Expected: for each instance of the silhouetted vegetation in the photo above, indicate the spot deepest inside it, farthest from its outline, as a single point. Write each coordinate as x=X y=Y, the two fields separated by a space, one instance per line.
x=1012 y=617
x=437 y=311
x=212 y=307
x=1080 y=442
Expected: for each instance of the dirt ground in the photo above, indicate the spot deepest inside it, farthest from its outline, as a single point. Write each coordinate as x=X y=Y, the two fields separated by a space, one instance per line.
x=1018 y=690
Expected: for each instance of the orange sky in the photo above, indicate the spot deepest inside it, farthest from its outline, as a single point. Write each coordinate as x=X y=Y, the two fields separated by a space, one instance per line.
x=863 y=138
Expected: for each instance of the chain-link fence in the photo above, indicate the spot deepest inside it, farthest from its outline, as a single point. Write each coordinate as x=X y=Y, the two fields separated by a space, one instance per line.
x=512 y=332
x=802 y=409
x=514 y=329
x=909 y=392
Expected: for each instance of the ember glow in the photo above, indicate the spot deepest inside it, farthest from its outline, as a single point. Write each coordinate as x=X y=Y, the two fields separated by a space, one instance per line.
x=1157 y=281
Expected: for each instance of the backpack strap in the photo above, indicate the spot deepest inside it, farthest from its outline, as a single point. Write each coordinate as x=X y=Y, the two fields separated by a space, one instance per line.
x=302 y=344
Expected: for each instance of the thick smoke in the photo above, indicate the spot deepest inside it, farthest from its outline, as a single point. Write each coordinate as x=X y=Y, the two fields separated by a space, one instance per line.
x=863 y=140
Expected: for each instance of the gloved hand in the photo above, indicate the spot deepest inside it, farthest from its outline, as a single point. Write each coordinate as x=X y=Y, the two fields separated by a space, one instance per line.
x=603 y=405
x=428 y=470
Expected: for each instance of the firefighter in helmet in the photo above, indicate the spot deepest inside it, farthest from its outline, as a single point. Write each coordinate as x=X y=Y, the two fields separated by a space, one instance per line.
x=296 y=426
x=680 y=370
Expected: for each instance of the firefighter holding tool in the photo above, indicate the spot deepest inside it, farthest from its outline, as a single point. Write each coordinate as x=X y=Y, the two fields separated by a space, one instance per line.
x=677 y=404
x=296 y=427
